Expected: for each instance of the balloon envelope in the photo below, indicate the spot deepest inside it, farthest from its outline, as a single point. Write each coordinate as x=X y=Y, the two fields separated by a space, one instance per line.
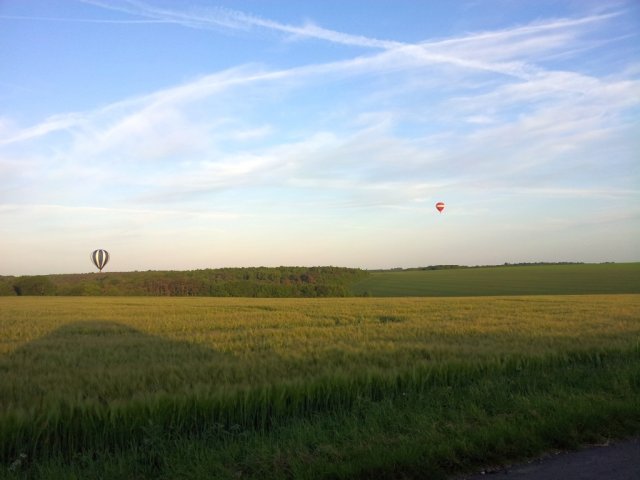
x=100 y=258
x=440 y=206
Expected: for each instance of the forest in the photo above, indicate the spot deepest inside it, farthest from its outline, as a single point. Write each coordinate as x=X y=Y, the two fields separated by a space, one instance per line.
x=222 y=282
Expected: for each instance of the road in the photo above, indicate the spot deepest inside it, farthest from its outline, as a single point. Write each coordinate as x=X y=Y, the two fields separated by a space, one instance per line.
x=615 y=461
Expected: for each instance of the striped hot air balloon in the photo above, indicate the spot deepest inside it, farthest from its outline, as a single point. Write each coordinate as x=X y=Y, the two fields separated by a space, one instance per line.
x=100 y=258
x=440 y=206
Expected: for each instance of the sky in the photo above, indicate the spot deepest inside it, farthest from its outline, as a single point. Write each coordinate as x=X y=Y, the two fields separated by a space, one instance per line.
x=202 y=134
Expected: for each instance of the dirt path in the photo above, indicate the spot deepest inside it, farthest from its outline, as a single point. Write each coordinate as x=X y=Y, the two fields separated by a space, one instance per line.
x=616 y=461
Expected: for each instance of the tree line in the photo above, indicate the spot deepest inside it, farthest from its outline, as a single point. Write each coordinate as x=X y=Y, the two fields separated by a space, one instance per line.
x=456 y=267
x=222 y=282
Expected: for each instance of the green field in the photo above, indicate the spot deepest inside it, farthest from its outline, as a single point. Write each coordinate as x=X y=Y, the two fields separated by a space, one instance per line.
x=507 y=280
x=130 y=387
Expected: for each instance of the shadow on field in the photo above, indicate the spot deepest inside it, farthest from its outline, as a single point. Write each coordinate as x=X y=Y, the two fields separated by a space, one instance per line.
x=105 y=361
x=91 y=385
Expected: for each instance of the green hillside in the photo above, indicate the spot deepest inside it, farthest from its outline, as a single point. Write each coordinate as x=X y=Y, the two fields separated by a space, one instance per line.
x=221 y=282
x=547 y=279
x=507 y=280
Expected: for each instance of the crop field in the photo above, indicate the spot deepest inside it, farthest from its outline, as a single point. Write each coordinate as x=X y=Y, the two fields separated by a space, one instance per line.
x=510 y=280
x=132 y=387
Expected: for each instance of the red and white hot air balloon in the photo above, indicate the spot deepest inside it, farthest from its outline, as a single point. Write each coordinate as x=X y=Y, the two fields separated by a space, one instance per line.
x=440 y=206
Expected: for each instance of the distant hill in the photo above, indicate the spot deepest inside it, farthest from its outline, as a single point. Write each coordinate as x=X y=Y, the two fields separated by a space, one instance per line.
x=455 y=267
x=513 y=279
x=223 y=282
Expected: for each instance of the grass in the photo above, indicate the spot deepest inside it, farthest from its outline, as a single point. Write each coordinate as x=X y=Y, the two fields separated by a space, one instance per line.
x=512 y=280
x=309 y=388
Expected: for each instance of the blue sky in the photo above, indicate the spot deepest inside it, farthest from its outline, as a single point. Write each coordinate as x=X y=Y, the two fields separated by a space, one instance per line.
x=182 y=135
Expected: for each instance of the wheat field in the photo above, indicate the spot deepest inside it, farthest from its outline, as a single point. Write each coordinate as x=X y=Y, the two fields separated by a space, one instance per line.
x=118 y=380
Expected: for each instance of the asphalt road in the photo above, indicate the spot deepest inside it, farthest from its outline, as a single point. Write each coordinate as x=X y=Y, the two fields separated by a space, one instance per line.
x=616 y=461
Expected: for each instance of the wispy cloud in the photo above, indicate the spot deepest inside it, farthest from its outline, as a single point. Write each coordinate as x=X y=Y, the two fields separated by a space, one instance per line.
x=79 y=20
x=85 y=211
x=234 y=19
x=486 y=51
x=52 y=124
x=483 y=51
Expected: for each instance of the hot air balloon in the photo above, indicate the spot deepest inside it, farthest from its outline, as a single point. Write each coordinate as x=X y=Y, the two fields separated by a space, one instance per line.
x=100 y=258
x=440 y=206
